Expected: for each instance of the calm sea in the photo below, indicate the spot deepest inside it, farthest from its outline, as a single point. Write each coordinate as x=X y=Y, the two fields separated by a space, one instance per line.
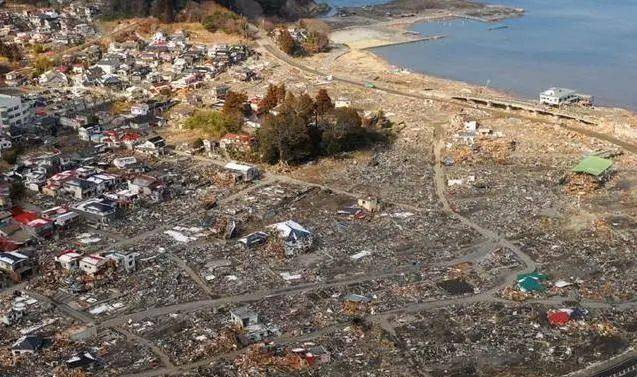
x=587 y=45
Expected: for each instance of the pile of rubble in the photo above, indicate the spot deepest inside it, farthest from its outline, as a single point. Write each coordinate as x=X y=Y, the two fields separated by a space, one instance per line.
x=581 y=184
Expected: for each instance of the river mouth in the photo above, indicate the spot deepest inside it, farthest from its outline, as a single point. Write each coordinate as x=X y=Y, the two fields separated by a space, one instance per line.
x=586 y=45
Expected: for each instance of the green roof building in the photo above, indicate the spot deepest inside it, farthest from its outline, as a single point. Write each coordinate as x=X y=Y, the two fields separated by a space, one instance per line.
x=593 y=165
x=529 y=284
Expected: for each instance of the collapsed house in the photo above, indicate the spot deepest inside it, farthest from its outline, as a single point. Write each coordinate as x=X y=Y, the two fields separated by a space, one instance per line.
x=16 y=265
x=16 y=313
x=148 y=187
x=294 y=236
x=588 y=175
x=84 y=360
x=254 y=239
x=254 y=330
x=27 y=345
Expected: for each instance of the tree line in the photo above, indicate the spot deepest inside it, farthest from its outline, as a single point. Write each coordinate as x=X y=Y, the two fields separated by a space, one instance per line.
x=314 y=42
x=297 y=128
x=164 y=10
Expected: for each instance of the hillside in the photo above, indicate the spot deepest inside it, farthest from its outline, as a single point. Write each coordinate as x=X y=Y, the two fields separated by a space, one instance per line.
x=169 y=10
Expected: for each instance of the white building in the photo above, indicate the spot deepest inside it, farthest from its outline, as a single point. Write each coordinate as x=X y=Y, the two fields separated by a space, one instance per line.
x=68 y=260
x=53 y=78
x=123 y=162
x=140 y=109
x=124 y=261
x=14 y=109
x=245 y=172
x=15 y=264
x=558 y=96
x=93 y=264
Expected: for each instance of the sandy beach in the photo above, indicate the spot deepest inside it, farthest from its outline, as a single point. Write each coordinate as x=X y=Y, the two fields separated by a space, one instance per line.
x=384 y=33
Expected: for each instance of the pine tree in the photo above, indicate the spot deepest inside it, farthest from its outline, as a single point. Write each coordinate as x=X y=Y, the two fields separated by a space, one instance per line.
x=284 y=138
x=234 y=103
x=286 y=42
x=324 y=103
x=269 y=101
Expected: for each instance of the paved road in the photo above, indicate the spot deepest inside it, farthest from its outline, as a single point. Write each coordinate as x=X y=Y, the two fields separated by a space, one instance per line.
x=64 y=308
x=440 y=185
x=249 y=297
x=147 y=343
x=195 y=276
x=269 y=177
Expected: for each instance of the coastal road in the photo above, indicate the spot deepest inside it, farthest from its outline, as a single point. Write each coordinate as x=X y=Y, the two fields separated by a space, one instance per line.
x=553 y=117
x=624 y=365
x=627 y=368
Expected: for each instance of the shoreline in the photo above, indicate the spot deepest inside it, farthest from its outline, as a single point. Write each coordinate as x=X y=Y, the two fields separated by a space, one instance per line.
x=363 y=38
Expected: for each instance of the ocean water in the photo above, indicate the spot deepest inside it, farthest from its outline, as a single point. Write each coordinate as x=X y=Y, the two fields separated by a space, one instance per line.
x=586 y=45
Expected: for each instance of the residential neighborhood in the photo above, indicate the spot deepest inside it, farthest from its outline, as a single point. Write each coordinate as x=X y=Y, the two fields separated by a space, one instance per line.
x=184 y=199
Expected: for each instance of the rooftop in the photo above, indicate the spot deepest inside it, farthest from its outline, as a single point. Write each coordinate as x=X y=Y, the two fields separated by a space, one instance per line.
x=593 y=165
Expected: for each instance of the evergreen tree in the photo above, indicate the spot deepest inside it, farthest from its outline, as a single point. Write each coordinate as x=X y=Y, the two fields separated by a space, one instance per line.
x=284 y=138
x=234 y=103
x=269 y=101
x=324 y=103
x=286 y=42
